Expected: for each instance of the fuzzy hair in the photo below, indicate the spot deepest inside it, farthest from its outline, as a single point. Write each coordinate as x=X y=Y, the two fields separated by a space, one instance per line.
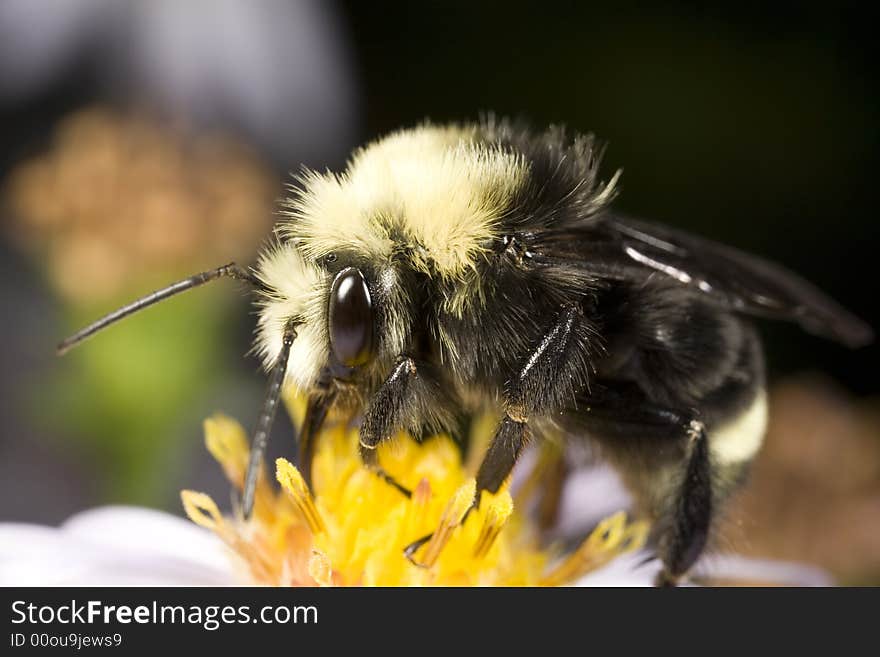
x=436 y=193
x=433 y=201
x=561 y=191
x=294 y=289
x=739 y=439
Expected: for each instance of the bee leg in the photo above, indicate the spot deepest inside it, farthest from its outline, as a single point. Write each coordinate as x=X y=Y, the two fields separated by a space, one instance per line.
x=631 y=423
x=504 y=450
x=545 y=381
x=685 y=538
x=542 y=384
x=316 y=412
x=387 y=410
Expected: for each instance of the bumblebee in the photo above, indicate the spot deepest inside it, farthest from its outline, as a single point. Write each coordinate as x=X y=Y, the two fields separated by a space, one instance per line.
x=451 y=269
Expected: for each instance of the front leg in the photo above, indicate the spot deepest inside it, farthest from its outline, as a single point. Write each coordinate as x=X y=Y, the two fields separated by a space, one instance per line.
x=387 y=408
x=317 y=407
x=406 y=399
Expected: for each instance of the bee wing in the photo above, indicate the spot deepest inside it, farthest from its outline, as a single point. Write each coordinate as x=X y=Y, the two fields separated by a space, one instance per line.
x=625 y=249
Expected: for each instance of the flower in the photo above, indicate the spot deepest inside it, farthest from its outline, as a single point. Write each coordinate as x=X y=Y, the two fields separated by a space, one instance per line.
x=133 y=546
x=113 y=546
x=354 y=529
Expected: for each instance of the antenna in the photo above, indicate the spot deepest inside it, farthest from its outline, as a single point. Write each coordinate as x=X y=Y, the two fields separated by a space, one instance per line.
x=231 y=270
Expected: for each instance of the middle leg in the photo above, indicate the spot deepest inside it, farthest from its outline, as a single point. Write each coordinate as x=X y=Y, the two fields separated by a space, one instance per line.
x=547 y=380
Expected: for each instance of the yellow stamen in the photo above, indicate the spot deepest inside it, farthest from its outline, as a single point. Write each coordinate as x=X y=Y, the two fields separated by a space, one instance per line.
x=418 y=506
x=202 y=510
x=449 y=521
x=611 y=538
x=499 y=508
x=228 y=444
x=292 y=482
x=422 y=494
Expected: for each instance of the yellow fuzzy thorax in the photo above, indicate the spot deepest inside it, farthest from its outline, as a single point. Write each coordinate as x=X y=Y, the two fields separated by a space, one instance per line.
x=353 y=530
x=437 y=190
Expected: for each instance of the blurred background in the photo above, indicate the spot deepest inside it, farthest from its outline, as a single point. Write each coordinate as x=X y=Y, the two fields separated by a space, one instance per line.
x=144 y=141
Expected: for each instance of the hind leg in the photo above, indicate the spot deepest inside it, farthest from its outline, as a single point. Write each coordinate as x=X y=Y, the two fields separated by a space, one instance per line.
x=691 y=513
x=647 y=440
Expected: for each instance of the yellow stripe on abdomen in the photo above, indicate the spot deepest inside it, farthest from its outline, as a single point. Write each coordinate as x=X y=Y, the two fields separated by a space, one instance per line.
x=741 y=438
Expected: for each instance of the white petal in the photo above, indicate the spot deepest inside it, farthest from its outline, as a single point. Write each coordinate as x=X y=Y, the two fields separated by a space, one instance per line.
x=66 y=569
x=786 y=573
x=126 y=529
x=589 y=495
x=17 y=539
x=32 y=555
x=633 y=570
x=114 y=546
x=627 y=570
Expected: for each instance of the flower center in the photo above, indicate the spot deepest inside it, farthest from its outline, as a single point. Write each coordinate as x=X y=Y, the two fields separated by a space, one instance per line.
x=353 y=530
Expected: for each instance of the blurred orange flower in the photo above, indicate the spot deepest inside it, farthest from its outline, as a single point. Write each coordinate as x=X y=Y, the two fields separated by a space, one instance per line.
x=118 y=195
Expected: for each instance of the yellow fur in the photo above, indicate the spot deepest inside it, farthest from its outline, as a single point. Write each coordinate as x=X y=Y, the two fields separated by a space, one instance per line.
x=437 y=190
x=299 y=290
x=741 y=438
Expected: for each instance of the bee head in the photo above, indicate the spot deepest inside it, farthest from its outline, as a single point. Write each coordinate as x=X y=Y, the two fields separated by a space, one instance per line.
x=350 y=314
x=418 y=204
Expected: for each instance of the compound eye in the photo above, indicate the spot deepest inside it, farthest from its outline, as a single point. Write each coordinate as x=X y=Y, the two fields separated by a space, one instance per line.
x=350 y=318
